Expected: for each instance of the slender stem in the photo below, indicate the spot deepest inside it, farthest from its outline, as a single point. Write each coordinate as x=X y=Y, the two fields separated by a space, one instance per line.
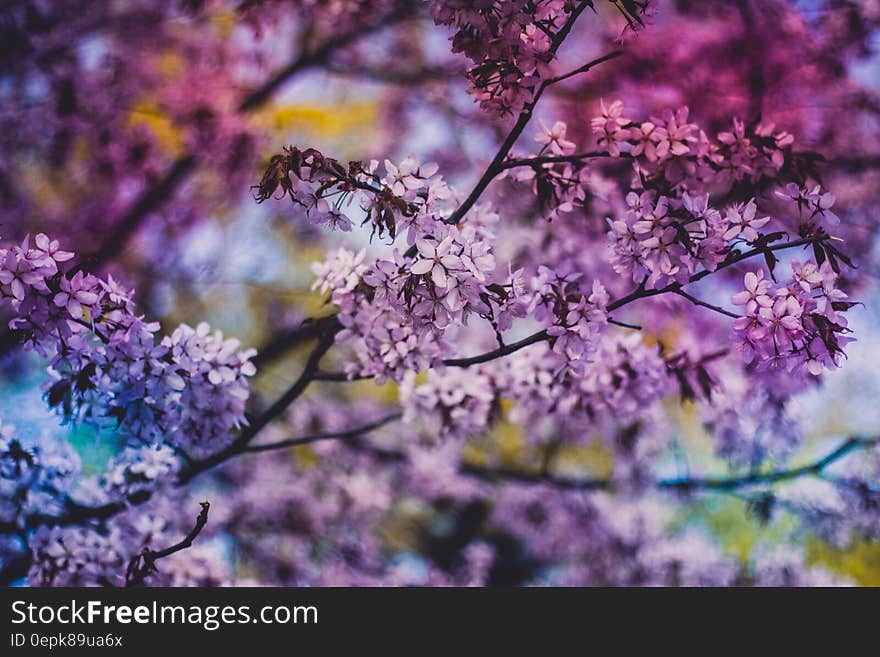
x=704 y=304
x=540 y=336
x=337 y=435
x=639 y=293
x=642 y=293
x=711 y=484
x=617 y=322
x=485 y=357
x=553 y=159
x=144 y=563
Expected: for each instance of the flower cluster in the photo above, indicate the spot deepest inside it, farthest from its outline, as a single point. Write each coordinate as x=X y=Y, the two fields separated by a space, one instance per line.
x=576 y=318
x=750 y=426
x=396 y=310
x=137 y=469
x=511 y=45
x=559 y=184
x=99 y=556
x=210 y=377
x=76 y=556
x=622 y=378
x=796 y=326
x=458 y=402
x=661 y=240
x=671 y=156
x=814 y=206
x=671 y=152
x=539 y=366
x=406 y=196
x=107 y=363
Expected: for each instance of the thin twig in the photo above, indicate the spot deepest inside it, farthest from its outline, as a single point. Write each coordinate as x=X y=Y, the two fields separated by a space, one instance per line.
x=617 y=322
x=704 y=304
x=639 y=293
x=574 y=158
x=337 y=435
x=712 y=484
x=143 y=564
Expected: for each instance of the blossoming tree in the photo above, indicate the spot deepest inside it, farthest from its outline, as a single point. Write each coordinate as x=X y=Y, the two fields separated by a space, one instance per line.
x=510 y=343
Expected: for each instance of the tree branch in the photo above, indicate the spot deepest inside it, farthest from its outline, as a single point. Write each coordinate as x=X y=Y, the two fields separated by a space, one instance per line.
x=711 y=484
x=282 y=343
x=574 y=158
x=639 y=293
x=143 y=564
x=704 y=304
x=241 y=443
x=307 y=60
x=338 y=435
x=149 y=201
x=731 y=260
x=814 y=468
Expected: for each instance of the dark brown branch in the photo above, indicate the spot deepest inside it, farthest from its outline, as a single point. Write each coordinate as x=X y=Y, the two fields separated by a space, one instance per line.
x=143 y=564
x=338 y=435
x=640 y=293
x=283 y=343
x=617 y=322
x=711 y=484
x=485 y=357
x=540 y=336
x=704 y=304
x=241 y=443
x=574 y=158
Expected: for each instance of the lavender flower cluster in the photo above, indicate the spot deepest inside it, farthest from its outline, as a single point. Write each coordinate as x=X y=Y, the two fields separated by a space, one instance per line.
x=107 y=364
